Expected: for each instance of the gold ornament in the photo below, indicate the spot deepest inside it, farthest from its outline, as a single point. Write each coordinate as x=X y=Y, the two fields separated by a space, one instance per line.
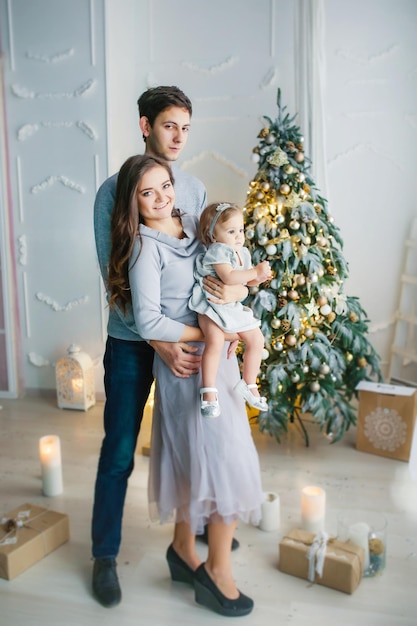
x=263 y=133
x=331 y=317
x=362 y=362
x=318 y=208
x=321 y=241
x=265 y=186
x=289 y=169
x=315 y=386
x=331 y=270
x=290 y=340
x=300 y=279
x=285 y=189
x=293 y=294
x=293 y=200
x=299 y=157
x=349 y=357
x=322 y=300
x=353 y=317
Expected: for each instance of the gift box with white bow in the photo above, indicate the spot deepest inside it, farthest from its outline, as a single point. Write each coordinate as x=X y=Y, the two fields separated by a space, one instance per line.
x=321 y=559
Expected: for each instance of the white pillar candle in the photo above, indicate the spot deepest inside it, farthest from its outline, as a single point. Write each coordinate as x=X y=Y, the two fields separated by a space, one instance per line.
x=270 y=513
x=359 y=535
x=50 y=457
x=313 y=509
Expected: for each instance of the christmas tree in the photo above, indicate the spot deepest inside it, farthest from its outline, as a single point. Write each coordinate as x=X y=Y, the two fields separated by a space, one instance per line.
x=316 y=346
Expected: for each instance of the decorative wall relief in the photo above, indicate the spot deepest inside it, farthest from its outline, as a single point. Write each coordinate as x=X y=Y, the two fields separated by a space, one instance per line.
x=365 y=146
x=214 y=69
x=23 y=256
x=23 y=92
x=55 y=306
x=38 y=360
x=48 y=182
x=270 y=79
x=220 y=159
x=51 y=58
x=371 y=59
x=28 y=130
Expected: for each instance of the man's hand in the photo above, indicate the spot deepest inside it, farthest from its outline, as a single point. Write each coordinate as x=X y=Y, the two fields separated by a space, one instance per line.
x=223 y=294
x=178 y=357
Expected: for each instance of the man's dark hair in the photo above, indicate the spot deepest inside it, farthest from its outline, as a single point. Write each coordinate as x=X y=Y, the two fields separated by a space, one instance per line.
x=155 y=100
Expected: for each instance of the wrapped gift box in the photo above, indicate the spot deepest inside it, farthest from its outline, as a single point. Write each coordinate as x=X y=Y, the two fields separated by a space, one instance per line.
x=343 y=562
x=386 y=418
x=27 y=534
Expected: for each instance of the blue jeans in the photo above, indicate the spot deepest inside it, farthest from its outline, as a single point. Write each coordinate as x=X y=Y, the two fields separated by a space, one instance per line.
x=127 y=381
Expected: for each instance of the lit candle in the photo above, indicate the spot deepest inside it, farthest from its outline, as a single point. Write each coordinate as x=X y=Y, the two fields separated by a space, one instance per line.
x=270 y=516
x=77 y=385
x=313 y=509
x=359 y=535
x=50 y=457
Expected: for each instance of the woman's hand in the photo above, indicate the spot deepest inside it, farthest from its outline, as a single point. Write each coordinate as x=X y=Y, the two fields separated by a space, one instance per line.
x=219 y=293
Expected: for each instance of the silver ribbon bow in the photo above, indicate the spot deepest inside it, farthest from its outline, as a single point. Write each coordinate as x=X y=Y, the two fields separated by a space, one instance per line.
x=316 y=555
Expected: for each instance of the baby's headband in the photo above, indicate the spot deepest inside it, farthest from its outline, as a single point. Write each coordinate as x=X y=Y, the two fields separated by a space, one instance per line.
x=219 y=210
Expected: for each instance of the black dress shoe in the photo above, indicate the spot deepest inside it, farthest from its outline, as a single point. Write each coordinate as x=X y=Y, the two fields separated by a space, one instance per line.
x=204 y=539
x=106 y=588
x=180 y=571
x=210 y=596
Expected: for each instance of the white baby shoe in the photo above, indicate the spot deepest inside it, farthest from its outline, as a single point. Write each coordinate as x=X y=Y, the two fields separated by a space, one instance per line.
x=209 y=408
x=257 y=402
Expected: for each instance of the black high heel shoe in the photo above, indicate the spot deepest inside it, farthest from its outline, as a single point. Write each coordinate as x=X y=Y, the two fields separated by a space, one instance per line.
x=210 y=596
x=180 y=571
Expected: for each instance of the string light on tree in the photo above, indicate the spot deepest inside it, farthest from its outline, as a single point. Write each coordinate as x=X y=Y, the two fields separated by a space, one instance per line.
x=316 y=346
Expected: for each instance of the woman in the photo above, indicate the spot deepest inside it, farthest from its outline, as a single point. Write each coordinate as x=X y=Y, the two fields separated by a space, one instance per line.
x=201 y=471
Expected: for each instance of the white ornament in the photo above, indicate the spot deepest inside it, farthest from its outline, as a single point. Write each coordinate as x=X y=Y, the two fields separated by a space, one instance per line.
x=271 y=250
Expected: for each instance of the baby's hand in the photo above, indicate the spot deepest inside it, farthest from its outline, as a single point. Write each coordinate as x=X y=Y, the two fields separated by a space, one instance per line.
x=263 y=271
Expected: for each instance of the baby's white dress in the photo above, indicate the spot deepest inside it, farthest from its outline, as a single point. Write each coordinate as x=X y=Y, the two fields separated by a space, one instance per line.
x=233 y=317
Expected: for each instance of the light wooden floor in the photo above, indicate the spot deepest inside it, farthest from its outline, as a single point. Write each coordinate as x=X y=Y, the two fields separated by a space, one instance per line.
x=57 y=589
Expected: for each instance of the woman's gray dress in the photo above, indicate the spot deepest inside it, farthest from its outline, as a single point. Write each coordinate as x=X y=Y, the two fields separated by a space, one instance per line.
x=198 y=466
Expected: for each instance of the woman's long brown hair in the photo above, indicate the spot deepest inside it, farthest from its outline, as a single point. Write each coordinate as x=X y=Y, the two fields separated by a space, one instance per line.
x=125 y=224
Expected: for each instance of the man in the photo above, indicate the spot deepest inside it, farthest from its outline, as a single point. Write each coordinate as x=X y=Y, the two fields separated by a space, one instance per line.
x=164 y=119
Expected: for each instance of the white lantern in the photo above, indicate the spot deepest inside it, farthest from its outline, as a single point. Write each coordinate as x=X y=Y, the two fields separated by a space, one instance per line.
x=75 y=380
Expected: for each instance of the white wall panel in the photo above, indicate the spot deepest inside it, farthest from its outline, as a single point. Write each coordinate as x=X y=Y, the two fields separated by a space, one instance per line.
x=372 y=149
x=56 y=116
